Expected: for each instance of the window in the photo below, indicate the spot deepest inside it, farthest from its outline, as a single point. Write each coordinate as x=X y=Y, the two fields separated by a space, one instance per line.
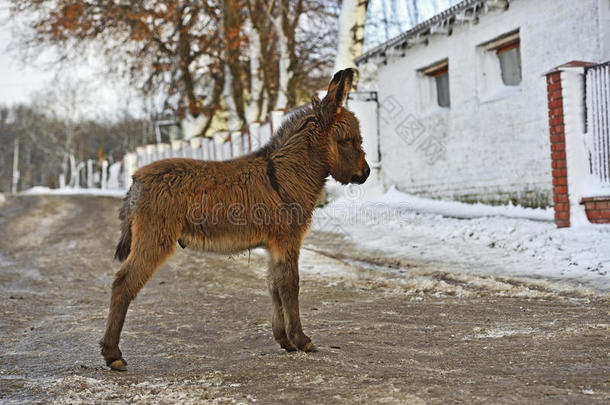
x=499 y=67
x=442 y=89
x=510 y=63
x=439 y=74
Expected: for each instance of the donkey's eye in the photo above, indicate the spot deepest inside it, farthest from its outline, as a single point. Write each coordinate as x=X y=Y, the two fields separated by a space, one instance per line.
x=345 y=142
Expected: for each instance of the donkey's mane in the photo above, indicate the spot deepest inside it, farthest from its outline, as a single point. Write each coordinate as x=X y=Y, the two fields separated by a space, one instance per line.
x=290 y=127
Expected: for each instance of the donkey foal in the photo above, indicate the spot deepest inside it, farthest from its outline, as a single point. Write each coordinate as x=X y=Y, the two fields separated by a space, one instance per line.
x=265 y=199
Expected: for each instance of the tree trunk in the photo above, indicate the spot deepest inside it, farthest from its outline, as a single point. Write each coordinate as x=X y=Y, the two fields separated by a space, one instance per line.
x=351 y=32
x=234 y=121
x=253 y=111
x=286 y=22
x=234 y=88
x=284 y=72
x=184 y=57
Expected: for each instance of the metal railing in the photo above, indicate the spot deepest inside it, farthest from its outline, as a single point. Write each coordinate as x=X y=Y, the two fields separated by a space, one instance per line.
x=598 y=122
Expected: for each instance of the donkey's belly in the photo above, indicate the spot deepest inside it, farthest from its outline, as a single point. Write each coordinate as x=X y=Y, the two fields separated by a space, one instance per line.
x=221 y=243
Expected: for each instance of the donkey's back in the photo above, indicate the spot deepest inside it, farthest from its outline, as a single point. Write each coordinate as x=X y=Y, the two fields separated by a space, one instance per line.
x=200 y=204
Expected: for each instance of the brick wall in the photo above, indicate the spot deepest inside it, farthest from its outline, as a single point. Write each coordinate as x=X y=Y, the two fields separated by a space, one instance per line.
x=597 y=209
x=561 y=200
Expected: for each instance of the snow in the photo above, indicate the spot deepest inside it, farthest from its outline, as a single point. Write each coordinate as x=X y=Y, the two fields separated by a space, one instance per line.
x=456 y=209
x=497 y=333
x=39 y=190
x=594 y=188
x=192 y=126
x=472 y=239
x=77 y=389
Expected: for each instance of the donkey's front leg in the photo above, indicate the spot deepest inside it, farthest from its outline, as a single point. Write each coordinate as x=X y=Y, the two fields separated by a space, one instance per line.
x=284 y=284
x=277 y=323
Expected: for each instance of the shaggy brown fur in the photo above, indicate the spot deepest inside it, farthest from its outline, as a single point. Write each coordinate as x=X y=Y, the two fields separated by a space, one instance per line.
x=265 y=199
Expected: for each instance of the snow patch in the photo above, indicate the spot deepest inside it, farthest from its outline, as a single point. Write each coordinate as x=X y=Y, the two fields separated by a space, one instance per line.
x=463 y=238
x=497 y=333
x=455 y=209
x=77 y=389
x=39 y=190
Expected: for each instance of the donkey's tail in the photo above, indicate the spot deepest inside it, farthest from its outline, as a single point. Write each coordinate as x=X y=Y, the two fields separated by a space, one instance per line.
x=124 y=246
x=126 y=216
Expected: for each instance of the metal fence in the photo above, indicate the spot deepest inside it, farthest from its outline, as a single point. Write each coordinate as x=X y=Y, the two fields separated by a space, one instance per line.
x=598 y=124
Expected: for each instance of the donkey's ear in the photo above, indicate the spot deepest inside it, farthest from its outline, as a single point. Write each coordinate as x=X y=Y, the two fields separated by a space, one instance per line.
x=338 y=88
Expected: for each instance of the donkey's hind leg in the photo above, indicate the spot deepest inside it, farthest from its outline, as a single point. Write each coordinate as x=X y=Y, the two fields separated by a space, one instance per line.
x=146 y=256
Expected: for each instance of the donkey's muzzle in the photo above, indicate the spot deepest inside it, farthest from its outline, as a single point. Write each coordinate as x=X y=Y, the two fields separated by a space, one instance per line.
x=361 y=176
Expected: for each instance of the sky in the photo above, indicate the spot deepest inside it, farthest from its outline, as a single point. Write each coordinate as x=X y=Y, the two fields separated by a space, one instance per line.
x=17 y=81
x=397 y=11
x=22 y=83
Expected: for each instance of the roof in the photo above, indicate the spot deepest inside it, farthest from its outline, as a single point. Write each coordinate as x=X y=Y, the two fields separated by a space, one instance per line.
x=465 y=11
x=572 y=64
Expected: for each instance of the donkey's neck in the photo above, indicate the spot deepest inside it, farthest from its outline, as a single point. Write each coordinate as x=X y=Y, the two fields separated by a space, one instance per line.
x=300 y=168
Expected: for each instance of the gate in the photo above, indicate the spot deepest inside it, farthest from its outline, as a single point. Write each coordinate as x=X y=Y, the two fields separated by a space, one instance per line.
x=597 y=130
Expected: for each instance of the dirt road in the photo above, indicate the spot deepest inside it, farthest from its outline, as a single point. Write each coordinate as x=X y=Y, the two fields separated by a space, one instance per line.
x=200 y=330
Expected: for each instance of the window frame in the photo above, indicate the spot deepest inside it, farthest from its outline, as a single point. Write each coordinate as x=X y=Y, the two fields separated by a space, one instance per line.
x=493 y=73
x=433 y=72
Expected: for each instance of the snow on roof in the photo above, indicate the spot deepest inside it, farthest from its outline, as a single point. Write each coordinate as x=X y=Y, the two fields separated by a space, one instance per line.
x=463 y=12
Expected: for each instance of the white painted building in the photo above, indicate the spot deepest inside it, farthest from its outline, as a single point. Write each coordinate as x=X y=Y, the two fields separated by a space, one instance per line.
x=463 y=96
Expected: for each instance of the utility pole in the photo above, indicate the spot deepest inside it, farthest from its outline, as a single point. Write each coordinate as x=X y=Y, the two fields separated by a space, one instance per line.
x=15 y=166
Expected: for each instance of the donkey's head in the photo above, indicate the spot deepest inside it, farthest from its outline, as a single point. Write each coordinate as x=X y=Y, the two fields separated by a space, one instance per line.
x=345 y=155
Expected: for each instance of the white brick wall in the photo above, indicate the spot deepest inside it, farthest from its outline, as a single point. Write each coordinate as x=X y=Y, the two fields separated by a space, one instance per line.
x=480 y=149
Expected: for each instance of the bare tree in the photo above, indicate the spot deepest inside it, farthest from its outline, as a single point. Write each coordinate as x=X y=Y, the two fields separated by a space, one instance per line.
x=170 y=48
x=42 y=137
x=66 y=101
x=201 y=57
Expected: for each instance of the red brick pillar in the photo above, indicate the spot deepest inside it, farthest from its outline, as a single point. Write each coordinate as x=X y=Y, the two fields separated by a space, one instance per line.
x=561 y=201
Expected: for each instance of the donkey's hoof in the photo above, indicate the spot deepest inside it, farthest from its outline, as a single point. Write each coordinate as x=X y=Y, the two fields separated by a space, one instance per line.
x=289 y=348
x=310 y=348
x=119 y=365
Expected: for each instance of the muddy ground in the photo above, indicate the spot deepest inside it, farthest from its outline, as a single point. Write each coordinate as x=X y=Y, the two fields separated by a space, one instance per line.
x=200 y=330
